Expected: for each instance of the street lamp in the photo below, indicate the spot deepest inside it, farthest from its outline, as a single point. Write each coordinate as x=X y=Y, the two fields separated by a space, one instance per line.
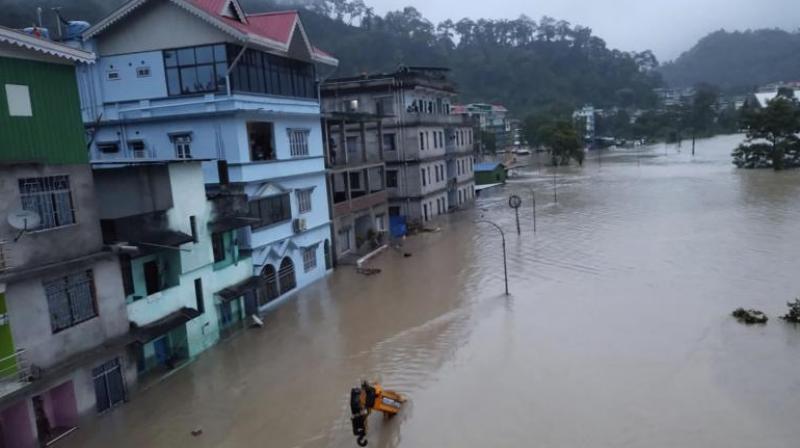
x=533 y=198
x=503 y=236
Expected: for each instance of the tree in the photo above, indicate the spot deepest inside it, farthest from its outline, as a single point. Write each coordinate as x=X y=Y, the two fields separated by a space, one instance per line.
x=771 y=136
x=563 y=142
x=488 y=141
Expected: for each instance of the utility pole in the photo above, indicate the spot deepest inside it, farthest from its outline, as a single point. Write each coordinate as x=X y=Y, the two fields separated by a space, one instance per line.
x=533 y=198
x=555 y=184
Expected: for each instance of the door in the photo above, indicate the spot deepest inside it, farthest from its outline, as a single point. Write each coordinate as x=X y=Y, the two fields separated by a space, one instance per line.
x=109 y=388
x=151 y=280
x=161 y=347
x=250 y=303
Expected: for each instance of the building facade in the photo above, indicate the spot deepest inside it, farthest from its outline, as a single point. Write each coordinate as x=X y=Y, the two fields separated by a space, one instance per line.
x=428 y=151
x=491 y=119
x=235 y=91
x=356 y=181
x=63 y=321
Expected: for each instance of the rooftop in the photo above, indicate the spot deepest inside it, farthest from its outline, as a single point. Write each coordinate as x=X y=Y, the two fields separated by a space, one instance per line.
x=44 y=46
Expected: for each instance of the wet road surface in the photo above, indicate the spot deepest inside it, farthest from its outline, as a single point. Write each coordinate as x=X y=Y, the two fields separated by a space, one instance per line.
x=616 y=333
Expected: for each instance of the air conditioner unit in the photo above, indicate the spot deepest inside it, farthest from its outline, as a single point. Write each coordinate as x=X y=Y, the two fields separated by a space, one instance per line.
x=299 y=225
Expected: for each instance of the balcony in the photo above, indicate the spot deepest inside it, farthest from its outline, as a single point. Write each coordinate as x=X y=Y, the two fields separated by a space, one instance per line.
x=357 y=189
x=5 y=259
x=422 y=118
x=15 y=372
x=360 y=203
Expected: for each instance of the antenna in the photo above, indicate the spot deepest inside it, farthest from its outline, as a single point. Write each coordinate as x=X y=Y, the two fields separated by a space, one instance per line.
x=24 y=221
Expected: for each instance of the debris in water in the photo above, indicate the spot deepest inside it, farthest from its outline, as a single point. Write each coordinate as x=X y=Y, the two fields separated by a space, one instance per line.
x=794 y=312
x=197 y=431
x=406 y=254
x=750 y=316
x=257 y=322
x=368 y=271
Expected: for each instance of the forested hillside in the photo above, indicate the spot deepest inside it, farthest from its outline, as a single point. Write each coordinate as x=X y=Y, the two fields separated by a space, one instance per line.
x=738 y=60
x=523 y=63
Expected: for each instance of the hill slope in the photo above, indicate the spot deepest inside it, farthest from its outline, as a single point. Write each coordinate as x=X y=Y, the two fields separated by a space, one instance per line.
x=737 y=59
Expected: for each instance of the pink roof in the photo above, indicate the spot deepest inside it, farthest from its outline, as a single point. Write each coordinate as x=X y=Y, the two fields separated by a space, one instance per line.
x=275 y=26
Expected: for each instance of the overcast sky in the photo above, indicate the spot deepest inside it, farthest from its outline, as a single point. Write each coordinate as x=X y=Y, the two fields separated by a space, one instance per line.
x=668 y=27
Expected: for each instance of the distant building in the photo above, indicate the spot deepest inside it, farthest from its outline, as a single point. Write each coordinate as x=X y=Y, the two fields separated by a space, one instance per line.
x=63 y=322
x=428 y=151
x=359 y=202
x=491 y=118
x=672 y=97
x=588 y=116
x=762 y=98
x=490 y=173
x=235 y=95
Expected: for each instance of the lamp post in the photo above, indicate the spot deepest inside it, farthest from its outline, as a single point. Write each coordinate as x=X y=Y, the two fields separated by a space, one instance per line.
x=555 y=184
x=503 y=236
x=533 y=199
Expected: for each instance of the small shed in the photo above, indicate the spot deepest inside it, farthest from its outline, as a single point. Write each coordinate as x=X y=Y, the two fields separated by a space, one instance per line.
x=490 y=173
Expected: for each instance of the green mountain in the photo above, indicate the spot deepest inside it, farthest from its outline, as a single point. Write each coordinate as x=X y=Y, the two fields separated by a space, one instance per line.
x=734 y=60
x=524 y=64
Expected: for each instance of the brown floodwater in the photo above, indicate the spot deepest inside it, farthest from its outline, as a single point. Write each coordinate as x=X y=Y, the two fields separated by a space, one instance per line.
x=617 y=331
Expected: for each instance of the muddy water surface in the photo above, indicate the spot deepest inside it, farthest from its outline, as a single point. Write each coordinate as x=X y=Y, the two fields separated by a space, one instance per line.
x=616 y=333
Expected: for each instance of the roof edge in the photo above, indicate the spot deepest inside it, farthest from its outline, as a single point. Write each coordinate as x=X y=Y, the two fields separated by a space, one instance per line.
x=49 y=47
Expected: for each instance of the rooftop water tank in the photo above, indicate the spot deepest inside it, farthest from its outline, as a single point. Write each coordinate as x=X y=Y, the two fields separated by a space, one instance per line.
x=75 y=28
x=37 y=32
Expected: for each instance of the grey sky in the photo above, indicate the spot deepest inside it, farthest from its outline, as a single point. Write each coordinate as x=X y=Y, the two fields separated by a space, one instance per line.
x=668 y=27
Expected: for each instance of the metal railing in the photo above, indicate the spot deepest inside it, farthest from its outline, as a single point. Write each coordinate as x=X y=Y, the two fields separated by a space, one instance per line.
x=14 y=372
x=5 y=261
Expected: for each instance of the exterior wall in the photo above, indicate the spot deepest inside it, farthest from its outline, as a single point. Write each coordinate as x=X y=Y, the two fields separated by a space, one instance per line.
x=135 y=87
x=152 y=27
x=37 y=248
x=53 y=134
x=29 y=316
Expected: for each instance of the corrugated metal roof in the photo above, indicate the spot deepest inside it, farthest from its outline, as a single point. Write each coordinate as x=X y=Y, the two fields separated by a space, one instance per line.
x=37 y=44
x=487 y=166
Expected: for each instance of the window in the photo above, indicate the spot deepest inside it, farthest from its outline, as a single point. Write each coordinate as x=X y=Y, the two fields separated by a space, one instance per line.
x=183 y=145
x=137 y=148
x=422 y=141
x=193 y=227
x=309 y=259
x=127 y=274
x=218 y=246
x=429 y=174
x=380 y=222
x=425 y=211
x=298 y=142
x=198 y=295
x=304 y=201
x=286 y=279
x=264 y=73
x=195 y=69
x=50 y=197
x=19 y=100
x=113 y=75
x=391 y=179
x=351 y=143
x=108 y=148
x=422 y=173
x=389 y=142
x=143 y=72
x=270 y=290
x=262 y=145
x=70 y=300
x=394 y=211
x=152 y=277
x=271 y=210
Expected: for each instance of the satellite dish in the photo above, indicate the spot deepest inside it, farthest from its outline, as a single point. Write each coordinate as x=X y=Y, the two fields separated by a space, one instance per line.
x=24 y=220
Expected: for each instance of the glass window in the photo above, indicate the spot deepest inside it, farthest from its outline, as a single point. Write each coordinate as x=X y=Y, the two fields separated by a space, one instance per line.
x=391 y=179
x=218 y=246
x=195 y=70
x=170 y=58
x=186 y=56
x=205 y=78
x=204 y=55
x=309 y=259
x=70 y=300
x=298 y=142
x=271 y=210
x=304 y=201
x=389 y=142
x=50 y=197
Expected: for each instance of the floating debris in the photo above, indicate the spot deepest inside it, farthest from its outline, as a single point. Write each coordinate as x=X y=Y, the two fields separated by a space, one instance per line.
x=750 y=316
x=368 y=271
x=197 y=431
x=794 y=312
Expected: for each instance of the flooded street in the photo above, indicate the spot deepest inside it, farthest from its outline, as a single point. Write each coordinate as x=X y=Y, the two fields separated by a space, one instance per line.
x=617 y=331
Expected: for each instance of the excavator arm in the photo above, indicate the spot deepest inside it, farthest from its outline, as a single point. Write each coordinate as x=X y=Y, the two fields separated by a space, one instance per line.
x=368 y=398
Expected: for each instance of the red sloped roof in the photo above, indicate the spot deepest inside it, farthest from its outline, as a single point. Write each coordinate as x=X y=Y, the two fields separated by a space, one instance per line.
x=275 y=26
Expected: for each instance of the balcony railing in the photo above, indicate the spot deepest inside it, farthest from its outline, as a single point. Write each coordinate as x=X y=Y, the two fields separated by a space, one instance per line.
x=5 y=262
x=125 y=155
x=15 y=372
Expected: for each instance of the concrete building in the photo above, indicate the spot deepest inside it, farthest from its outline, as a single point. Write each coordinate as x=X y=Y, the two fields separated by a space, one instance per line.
x=357 y=180
x=428 y=151
x=179 y=254
x=490 y=118
x=587 y=115
x=235 y=91
x=63 y=322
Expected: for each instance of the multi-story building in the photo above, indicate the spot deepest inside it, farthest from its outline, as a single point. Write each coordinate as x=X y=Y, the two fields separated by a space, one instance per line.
x=489 y=118
x=428 y=151
x=356 y=180
x=235 y=91
x=179 y=255
x=63 y=321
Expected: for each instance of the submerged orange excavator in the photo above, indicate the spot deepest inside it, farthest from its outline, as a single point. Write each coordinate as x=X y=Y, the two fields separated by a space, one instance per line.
x=368 y=398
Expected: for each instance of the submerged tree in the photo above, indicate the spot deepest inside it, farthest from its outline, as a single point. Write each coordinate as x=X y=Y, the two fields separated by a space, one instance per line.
x=771 y=136
x=563 y=142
